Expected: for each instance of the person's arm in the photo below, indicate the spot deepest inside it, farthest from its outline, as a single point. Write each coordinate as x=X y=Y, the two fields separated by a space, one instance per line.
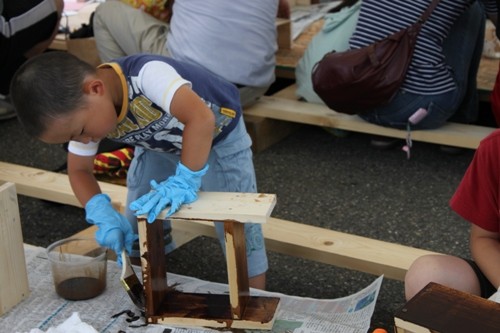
x=199 y=123
x=114 y=231
x=197 y=137
x=485 y=249
x=81 y=177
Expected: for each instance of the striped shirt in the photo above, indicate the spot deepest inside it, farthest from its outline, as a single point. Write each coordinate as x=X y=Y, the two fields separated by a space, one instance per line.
x=428 y=73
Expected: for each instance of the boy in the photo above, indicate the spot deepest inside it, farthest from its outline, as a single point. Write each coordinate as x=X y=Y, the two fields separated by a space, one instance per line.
x=184 y=122
x=477 y=199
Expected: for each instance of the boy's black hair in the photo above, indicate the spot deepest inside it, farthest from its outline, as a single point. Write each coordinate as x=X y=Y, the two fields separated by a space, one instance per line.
x=47 y=87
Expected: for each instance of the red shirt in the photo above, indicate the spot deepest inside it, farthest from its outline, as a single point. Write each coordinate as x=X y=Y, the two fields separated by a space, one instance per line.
x=477 y=197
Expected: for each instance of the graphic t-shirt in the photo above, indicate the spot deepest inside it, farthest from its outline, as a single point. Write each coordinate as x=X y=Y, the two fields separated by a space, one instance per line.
x=149 y=83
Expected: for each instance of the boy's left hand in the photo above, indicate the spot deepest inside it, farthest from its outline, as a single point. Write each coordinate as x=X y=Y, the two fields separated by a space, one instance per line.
x=176 y=190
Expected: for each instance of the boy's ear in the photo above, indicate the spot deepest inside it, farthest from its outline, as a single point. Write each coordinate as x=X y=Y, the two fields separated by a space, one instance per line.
x=93 y=85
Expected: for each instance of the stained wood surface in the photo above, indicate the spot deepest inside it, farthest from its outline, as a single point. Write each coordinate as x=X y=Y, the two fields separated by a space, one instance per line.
x=166 y=305
x=153 y=265
x=237 y=269
x=14 y=286
x=213 y=310
x=437 y=308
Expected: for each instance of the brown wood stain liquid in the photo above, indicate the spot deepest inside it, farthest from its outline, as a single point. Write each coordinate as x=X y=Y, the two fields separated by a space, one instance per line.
x=80 y=288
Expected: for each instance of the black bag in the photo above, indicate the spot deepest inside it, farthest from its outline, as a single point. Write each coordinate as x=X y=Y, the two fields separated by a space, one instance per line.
x=357 y=80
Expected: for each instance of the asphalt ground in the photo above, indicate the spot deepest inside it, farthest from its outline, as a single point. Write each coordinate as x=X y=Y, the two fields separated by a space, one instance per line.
x=340 y=183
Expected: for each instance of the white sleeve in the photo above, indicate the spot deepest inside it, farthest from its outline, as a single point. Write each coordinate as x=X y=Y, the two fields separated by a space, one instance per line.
x=83 y=149
x=160 y=81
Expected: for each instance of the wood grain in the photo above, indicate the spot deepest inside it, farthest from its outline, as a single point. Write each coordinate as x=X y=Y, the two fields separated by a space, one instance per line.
x=14 y=286
x=437 y=308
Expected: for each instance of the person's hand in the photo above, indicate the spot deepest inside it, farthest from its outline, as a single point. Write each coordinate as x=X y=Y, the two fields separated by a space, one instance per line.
x=176 y=190
x=114 y=230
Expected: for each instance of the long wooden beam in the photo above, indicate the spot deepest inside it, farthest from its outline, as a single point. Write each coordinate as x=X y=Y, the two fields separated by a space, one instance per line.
x=291 y=238
x=287 y=107
x=217 y=206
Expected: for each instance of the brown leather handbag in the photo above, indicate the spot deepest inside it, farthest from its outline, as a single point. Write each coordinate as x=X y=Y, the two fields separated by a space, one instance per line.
x=358 y=80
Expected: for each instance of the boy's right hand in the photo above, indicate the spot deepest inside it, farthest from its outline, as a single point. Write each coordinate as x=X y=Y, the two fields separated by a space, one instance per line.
x=115 y=232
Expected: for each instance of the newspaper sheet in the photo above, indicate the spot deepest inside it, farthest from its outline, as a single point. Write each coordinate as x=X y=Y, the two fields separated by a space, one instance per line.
x=43 y=309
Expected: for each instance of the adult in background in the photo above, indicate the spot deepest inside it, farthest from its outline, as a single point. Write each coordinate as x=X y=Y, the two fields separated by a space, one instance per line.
x=441 y=79
x=233 y=39
x=27 y=27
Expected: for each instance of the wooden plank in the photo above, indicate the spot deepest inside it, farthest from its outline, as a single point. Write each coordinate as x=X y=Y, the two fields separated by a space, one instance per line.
x=221 y=206
x=340 y=249
x=265 y=132
x=452 y=134
x=291 y=238
x=329 y=247
x=284 y=32
x=486 y=77
x=14 y=286
x=154 y=270
x=51 y=186
x=212 y=310
x=237 y=270
x=437 y=308
x=167 y=305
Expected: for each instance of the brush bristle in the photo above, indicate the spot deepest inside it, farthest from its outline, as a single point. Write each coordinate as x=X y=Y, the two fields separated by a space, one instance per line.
x=135 y=290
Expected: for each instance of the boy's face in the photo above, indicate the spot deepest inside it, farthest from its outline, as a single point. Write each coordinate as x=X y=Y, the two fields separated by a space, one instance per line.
x=93 y=122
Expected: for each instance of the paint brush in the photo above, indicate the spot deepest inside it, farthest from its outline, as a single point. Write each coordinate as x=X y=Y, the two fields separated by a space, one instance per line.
x=131 y=282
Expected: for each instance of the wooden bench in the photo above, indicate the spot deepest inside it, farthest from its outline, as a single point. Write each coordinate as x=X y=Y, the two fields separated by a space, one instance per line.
x=285 y=106
x=290 y=238
x=286 y=62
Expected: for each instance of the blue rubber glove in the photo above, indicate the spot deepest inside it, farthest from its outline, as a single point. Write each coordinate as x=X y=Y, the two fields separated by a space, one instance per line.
x=114 y=230
x=176 y=190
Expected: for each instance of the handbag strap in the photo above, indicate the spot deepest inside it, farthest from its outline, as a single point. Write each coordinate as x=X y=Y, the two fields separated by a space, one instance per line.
x=428 y=12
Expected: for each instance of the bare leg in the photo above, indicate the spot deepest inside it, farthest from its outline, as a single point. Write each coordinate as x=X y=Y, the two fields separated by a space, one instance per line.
x=447 y=270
